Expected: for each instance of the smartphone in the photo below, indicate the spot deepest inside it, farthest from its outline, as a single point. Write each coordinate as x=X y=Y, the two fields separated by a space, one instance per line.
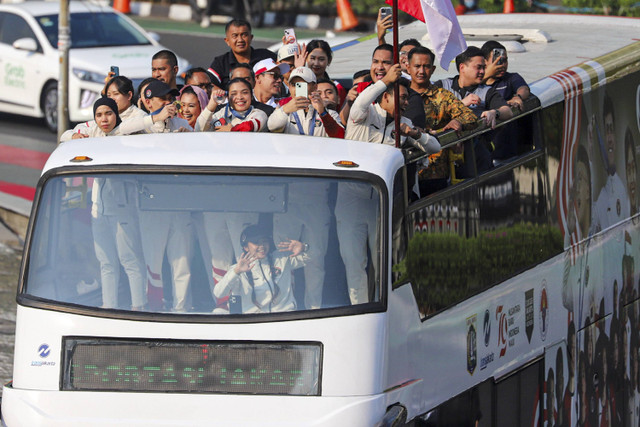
x=301 y=89
x=499 y=53
x=384 y=12
x=115 y=70
x=289 y=36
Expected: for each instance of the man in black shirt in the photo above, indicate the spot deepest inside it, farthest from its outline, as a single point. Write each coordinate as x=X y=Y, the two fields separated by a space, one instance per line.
x=238 y=38
x=483 y=100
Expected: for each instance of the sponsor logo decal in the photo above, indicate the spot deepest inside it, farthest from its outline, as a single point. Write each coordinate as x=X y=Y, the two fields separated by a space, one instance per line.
x=486 y=327
x=472 y=348
x=44 y=351
x=544 y=311
x=528 y=313
x=507 y=329
x=14 y=76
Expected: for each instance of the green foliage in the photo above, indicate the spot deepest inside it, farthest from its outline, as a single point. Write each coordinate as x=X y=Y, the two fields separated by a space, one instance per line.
x=446 y=268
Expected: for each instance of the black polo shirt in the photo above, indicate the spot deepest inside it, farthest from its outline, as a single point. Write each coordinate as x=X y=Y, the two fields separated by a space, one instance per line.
x=222 y=64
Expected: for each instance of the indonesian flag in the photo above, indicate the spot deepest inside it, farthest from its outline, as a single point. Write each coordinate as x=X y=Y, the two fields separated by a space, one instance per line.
x=442 y=25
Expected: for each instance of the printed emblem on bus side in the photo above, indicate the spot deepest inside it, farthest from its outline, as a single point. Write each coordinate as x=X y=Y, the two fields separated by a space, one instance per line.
x=528 y=314
x=544 y=311
x=472 y=347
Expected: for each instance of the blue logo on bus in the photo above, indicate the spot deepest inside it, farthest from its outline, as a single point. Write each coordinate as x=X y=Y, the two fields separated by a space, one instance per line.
x=44 y=351
x=487 y=328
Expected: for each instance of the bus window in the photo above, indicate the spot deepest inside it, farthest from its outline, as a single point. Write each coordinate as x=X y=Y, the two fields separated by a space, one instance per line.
x=478 y=235
x=206 y=244
x=518 y=396
x=468 y=409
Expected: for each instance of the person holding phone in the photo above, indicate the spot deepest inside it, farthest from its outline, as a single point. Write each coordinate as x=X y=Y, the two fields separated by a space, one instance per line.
x=305 y=113
x=306 y=219
x=511 y=86
x=514 y=90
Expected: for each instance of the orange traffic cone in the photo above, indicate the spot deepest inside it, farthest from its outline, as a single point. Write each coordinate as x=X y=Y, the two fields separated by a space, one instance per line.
x=346 y=15
x=508 y=7
x=122 y=6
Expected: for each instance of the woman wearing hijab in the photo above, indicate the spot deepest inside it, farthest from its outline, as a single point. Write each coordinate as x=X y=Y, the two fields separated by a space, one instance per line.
x=120 y=89
x=193 y=100
x=107 y=122
x=238 y=115
x=114 y=216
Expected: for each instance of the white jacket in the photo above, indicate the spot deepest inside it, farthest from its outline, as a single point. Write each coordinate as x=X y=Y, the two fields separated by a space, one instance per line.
x=368 y=122
x=208 y=120
x=126 y=127
x=172 y=124
x=281 y=122
x=83 y=127
x=263 y=283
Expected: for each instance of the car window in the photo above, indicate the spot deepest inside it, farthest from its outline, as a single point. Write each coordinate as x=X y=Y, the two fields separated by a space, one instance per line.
x=14 y=27
x=94 y=30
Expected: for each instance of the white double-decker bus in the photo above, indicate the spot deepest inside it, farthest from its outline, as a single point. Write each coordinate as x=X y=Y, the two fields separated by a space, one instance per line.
x=282 y=280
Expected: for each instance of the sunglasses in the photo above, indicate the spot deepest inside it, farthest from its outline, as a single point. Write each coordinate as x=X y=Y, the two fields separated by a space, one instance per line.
x=276 y=76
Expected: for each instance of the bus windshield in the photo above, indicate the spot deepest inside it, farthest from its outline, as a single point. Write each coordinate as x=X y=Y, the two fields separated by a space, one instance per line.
x=205 y=244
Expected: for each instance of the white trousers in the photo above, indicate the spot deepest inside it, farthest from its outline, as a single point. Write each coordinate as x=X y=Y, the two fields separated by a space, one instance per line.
x=117 y=241
x=356 y=223
x=308 y=222
x=173 y=233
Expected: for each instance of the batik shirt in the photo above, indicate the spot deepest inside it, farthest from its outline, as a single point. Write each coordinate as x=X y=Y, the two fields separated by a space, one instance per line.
x=440 y=107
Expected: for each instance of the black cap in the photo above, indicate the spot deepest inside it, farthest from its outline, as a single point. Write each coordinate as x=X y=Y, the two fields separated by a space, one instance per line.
x=253 y=234
x=159 y=88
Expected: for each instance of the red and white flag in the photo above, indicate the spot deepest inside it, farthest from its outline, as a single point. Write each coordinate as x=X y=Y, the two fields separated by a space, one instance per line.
x=442 y=25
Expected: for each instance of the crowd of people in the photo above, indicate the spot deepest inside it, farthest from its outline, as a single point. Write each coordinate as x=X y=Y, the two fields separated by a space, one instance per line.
x=257 y=90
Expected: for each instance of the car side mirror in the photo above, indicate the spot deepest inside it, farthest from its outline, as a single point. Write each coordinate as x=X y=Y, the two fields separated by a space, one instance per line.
x=154 y=36
x=26 y=43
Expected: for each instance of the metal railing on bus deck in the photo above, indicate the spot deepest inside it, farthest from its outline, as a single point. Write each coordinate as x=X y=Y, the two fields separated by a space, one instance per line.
x=450 y=139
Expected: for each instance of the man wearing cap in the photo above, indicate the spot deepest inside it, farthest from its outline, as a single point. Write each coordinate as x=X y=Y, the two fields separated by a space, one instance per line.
x=238 y=37
x=287 y=55
x=161 y=99
x=269 y=76
x=305 y=115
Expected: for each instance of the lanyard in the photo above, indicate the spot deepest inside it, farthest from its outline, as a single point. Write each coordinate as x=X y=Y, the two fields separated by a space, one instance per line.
x=237 y=114
x=312 y=125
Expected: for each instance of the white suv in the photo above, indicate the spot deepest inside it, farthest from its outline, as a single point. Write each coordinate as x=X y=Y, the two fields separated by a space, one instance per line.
x=29 y=60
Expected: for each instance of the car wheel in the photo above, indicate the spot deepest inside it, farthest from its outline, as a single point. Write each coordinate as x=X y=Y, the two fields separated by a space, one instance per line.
x=50 y=106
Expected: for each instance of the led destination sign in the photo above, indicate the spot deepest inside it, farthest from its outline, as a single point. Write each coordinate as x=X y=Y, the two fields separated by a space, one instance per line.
x=192 y=366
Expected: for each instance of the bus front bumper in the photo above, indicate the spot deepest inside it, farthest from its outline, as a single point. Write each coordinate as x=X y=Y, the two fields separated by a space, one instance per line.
x=77 y=408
